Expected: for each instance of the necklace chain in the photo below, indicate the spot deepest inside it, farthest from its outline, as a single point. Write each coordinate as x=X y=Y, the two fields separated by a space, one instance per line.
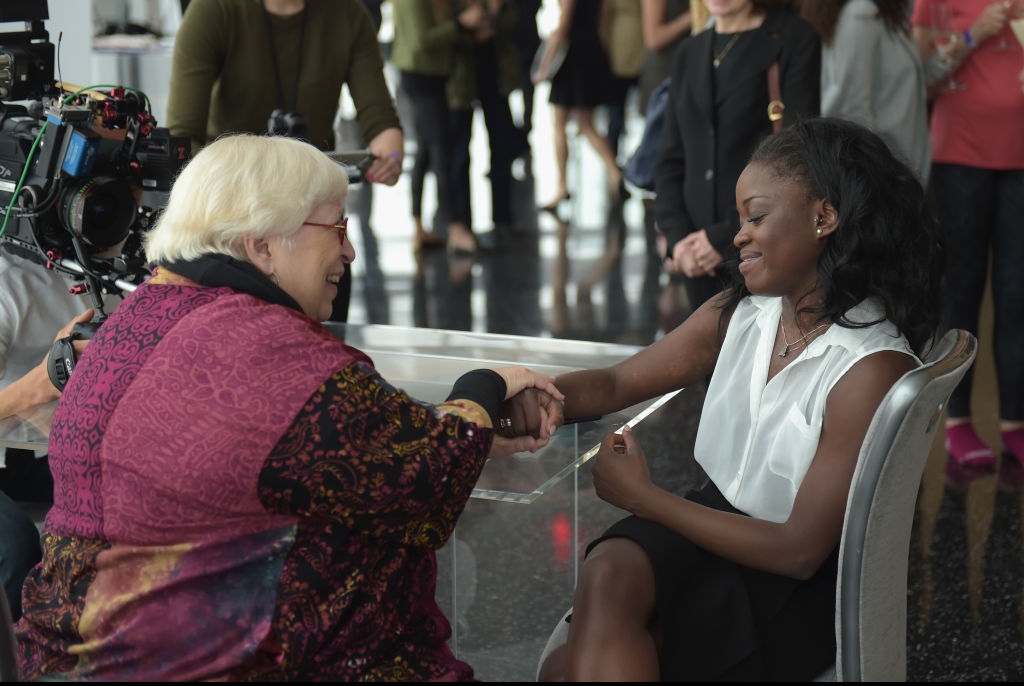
x=802 y=339
x=728 y=46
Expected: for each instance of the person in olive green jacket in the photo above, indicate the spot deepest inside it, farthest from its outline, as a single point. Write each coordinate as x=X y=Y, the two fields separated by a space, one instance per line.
x=236 y=62
x=484 y=73
x=423 y=51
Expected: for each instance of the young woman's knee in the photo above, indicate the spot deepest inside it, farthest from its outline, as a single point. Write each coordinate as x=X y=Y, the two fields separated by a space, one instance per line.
x=617 y=567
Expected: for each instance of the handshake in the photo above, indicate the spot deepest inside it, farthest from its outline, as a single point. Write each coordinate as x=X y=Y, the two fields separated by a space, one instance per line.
x=530 y=414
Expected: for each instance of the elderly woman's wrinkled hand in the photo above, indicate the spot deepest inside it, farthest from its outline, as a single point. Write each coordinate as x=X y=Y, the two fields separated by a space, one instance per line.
x=518 y=377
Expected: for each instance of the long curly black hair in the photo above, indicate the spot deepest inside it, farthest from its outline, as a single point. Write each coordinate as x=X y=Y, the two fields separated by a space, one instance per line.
x=887 y=243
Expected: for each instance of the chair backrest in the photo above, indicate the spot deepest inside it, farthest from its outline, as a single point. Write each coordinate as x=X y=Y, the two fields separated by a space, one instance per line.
x=8 y=649
x=871 y=593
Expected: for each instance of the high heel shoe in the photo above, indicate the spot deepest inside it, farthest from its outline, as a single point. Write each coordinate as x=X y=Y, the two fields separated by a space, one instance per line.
x=552 y=207
x=461 y=242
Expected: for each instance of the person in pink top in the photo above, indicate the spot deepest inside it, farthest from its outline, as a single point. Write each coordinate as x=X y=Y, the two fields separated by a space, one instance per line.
x=238 y=494
x=977 y=182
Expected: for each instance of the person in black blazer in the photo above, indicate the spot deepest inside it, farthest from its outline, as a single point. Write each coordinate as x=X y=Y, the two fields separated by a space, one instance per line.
x=717 y=115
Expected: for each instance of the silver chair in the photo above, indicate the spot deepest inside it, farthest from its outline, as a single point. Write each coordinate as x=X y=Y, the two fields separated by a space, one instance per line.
x=871 y=592
x=871 y=595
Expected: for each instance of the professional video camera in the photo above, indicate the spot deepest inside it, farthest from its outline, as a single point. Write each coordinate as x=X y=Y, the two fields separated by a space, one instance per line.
x=83 y=172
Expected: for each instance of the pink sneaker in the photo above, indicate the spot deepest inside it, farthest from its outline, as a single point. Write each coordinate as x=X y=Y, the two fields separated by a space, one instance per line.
x=964 y=446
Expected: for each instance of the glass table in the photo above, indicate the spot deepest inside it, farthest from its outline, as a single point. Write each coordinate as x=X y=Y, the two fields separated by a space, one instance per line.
x=492 y=539
x=425 y=363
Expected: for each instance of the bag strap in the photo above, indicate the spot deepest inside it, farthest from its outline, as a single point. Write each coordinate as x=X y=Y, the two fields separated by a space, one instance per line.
x=775 y=104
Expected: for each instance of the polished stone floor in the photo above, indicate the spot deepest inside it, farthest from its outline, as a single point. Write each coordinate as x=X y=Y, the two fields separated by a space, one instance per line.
x=509 y=574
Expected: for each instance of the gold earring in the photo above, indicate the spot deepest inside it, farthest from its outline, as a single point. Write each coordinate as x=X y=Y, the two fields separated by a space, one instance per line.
x=819 y=232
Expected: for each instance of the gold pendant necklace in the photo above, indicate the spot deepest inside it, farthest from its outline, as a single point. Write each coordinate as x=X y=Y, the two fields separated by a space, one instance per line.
x=728 y=46
x=785 y=351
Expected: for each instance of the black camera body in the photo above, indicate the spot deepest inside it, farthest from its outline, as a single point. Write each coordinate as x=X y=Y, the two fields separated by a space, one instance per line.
x=290 y=124
x=82 y=176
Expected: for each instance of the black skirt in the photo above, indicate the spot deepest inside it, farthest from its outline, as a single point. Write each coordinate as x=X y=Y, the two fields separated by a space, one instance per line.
x=585 y=78
x=723 y=621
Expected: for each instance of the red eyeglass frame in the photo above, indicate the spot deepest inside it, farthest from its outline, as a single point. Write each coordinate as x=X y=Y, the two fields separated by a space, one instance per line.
x=342 y=228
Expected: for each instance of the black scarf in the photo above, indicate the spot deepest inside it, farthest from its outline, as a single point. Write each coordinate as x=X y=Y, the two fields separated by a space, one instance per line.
x=223 y=270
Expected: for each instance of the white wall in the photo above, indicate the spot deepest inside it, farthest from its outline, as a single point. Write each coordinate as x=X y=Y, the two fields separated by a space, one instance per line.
x=70 y=22
x=71 y=26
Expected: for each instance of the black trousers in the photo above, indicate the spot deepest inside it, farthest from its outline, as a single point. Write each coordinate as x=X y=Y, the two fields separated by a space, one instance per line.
x=502 y=135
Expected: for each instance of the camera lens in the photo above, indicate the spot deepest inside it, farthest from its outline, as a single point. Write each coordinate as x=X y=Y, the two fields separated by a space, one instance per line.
x=101 y=211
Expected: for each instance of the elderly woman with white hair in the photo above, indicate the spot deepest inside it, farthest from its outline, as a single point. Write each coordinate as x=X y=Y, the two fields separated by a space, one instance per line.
x=240 y=495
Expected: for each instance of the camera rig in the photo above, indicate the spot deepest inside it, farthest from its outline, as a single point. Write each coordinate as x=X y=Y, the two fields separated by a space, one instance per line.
x=83 y=171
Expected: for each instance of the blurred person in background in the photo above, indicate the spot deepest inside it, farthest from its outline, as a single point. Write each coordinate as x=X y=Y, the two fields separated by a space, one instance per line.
x=484 y=73
x=424 y=53
x=977 y=182
x=623 y=37
x=238 y=62
x=871 y=72
x=581 y=84
x=717 y=114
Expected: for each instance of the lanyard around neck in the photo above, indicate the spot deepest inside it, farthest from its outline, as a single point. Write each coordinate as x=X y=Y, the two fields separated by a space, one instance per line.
x=273 y=56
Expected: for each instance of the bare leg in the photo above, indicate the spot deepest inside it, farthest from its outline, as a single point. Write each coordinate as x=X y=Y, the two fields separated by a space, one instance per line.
x=561 y=120
x=585 y=122
x=611 y=636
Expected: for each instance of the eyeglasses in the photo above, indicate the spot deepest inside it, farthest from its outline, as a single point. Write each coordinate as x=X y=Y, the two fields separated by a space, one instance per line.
x=341 y=227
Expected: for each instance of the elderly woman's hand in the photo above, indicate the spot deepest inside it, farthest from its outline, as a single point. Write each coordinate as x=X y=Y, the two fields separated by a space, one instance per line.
x=517 y=378
x=531 y=413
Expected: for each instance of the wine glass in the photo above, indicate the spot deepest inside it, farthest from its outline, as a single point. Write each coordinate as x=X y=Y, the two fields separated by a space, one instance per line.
x=945 y=38
x=999 y=42
x=1017 y=21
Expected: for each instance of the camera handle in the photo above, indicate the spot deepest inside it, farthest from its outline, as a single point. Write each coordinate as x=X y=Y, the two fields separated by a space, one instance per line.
x=61 y=360
x=355 y=162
